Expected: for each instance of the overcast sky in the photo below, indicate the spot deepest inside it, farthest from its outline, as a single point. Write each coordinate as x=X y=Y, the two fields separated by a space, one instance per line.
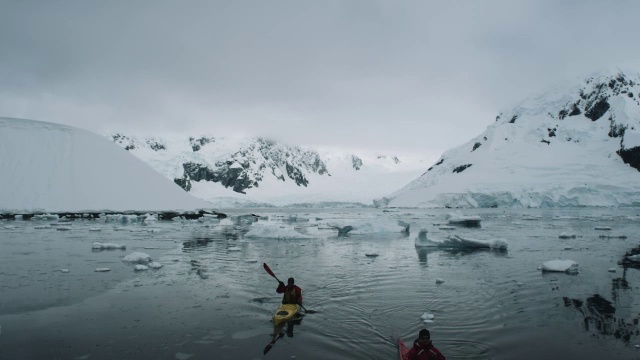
x=419 y=76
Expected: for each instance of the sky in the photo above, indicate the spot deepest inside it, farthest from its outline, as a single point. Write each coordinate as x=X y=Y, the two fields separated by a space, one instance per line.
x=411 y=76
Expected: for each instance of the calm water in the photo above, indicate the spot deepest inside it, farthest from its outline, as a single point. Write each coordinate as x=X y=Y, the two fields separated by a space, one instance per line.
x=213 y=300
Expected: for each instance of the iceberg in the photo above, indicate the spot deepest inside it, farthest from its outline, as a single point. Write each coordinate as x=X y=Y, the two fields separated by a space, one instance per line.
x=568 y=266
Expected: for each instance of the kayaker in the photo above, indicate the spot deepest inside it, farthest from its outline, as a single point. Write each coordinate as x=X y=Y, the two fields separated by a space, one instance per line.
x=292 y=293
x=423 y=349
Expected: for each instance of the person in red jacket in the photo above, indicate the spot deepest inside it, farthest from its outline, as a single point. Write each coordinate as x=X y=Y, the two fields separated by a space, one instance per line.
x=423 y=349
x=292 y=293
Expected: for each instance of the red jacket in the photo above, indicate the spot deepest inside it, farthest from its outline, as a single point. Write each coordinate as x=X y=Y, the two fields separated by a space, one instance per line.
x=291 y=295
x=420 y=352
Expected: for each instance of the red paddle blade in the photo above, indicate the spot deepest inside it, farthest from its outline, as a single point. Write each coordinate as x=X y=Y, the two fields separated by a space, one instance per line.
x=266 y=267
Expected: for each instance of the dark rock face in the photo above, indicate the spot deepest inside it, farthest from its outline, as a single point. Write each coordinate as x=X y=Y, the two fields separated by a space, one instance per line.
x=246 y=168
x=356 y=162
x=227 y=176
x=513 y=119
x=461 y=168
x=436 y=164
x=197 y=144
x=631 y=156
x=475 y=146
x=597 y=110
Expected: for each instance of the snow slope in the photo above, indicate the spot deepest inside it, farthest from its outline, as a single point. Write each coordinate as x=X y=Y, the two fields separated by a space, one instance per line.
x=576 y=145
x=260 y=172
x=56 y=168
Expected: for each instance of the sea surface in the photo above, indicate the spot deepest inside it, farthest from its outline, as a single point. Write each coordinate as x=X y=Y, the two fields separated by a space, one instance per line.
x=212 y=299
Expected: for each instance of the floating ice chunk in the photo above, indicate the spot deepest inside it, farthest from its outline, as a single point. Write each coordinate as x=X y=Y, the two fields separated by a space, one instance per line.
x=613 y=236
x=446 y=228
x=364 y=227
x=634 y=257
x=183 y=356
x=439 y=281
x=95 y=229
x=456 y=218
x=107 y=246
x=140 y=267
x=567 y=235
x=155 y=265
x=371 y=255
x=274 y=231
x=63 y=228
x=45 y=217
x=612 y=270
x=64 y=271
x=603 y=228
x=427 y=316
x=150 y=219
x=137 y=257
x=560 y=266
x=226 y=222
x=102 y=269
x=251 y=261
x=234 y=248
x=42 y=227
x=568 y=248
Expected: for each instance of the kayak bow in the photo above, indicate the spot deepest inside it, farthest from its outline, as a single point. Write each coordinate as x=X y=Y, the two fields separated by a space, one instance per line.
x=285 y=312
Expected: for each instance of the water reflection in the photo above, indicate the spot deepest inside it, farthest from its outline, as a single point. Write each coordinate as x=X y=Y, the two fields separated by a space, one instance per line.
x=599 y=313
x=423 y=252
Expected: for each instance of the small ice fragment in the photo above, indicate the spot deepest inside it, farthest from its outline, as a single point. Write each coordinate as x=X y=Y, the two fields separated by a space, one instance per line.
x=234 y=248
x=439 y=281
x=63 y=228
x=427 y=316
x=251 y=261
x=102 y=269
x=612 y=270
x=64 y=270
x=636 y=346
x=137 y=257
x=603 y=228
x=371 y=255
x=96 y=245
x=140 y=267
x=183 y=356
x=560 y=266
x=95 y=229
x=155 y=265
x=568 y=248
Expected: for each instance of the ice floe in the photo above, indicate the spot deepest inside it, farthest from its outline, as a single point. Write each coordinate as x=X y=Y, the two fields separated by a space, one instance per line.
x=456 y=218
x=439 y=281
x=137 y=257
x=369 y=226
x=140 y=267
x=274 y=230
x=102 y=269
x=107 y=246
x=457 y=241
x=427 y=318
x=569 y=266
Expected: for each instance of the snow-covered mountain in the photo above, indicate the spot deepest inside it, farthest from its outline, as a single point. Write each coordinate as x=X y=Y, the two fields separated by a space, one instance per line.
x=576 y=145
x=55 y=168
x=259 y=172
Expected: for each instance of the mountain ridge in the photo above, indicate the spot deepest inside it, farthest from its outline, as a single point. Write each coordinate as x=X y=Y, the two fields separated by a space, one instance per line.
x=553 y=149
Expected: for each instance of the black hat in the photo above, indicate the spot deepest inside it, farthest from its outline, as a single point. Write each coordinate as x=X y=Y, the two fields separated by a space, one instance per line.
x=424 y=333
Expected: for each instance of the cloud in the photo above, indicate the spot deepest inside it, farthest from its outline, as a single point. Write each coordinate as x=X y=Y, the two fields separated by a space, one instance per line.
x=418 y=75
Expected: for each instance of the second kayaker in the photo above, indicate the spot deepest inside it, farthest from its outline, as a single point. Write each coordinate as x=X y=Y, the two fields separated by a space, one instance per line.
x=423 y=349
x=292 y=293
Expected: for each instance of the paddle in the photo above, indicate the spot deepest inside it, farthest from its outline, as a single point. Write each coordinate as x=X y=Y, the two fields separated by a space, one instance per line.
x=270 y=345
x=268 y=270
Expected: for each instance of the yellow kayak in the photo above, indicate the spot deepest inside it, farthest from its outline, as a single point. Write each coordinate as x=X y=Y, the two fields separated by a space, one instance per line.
x=285 y=312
